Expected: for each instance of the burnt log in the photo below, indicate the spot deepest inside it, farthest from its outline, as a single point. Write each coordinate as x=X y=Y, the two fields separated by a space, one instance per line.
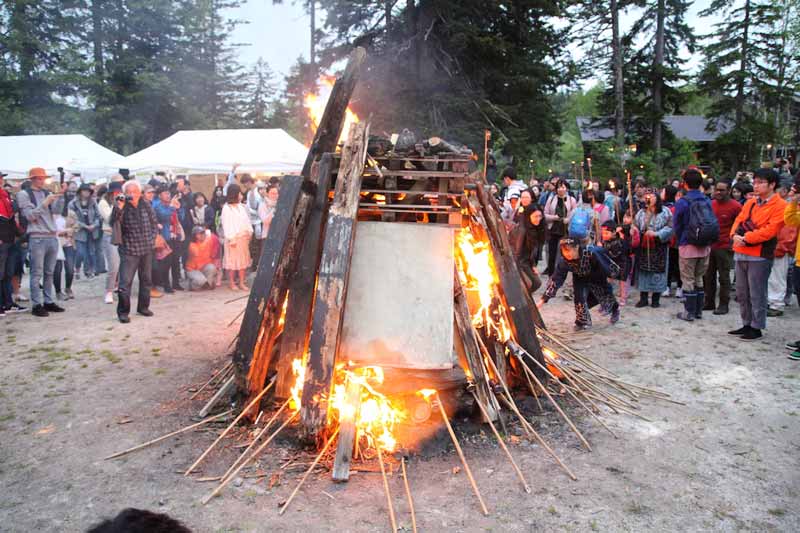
x=331 y=289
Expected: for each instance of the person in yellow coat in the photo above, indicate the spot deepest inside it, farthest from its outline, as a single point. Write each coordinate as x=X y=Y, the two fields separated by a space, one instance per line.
x=791 y=217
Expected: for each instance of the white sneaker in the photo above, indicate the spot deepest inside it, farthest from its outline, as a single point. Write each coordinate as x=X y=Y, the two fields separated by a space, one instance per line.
x=21 y=298
x=679 y=293
x=109 y=297
x=665 y=294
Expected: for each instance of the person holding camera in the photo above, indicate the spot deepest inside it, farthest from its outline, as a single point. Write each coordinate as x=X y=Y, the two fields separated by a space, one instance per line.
x=137 y=235
x=38 y=206
x=755 y=237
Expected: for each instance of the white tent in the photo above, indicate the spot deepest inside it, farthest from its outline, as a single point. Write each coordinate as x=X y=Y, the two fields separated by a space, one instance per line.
x=76 y=153
x=271 y=152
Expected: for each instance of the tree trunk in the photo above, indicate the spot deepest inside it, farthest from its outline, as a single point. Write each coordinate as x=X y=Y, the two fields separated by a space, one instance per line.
x=619 y=105
x=743 y=60
x=658 y=81
x=312 y=13
x=387 y=15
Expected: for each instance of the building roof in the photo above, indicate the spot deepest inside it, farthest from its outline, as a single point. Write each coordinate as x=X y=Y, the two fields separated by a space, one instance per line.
x=690 y=127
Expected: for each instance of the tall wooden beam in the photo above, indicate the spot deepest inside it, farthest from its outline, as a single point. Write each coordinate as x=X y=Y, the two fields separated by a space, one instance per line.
x=331 y=291
x=330 y=126
x=301 y=287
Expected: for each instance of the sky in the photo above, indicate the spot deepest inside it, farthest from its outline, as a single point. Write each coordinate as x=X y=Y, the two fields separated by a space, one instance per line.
x=280 y=33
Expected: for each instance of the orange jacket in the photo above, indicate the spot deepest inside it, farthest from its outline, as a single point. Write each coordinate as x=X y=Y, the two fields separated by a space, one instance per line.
x=768 y=221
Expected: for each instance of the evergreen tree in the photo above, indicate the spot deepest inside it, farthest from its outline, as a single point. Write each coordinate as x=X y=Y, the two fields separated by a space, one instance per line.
x=258 y=99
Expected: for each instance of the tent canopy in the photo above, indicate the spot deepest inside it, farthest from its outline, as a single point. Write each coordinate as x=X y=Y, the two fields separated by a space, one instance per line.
x=268 y=151
x=76 y=153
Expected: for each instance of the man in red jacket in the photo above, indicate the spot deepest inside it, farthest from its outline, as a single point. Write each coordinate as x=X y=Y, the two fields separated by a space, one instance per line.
x=755 y=237
x=720 y=262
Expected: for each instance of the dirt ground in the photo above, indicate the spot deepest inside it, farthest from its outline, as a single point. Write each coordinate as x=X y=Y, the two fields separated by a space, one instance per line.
x=79 y=386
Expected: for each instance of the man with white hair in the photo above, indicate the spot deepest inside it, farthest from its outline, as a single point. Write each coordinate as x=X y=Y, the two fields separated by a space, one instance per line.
x=138 y=229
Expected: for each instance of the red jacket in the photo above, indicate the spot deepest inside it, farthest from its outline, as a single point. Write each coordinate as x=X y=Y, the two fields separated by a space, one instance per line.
x=6 y=210
x=787 y=241
x=726 y=213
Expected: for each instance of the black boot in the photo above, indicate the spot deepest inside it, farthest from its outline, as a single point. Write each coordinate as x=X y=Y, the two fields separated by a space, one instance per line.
x=689 y=307
x=700 y=297
x=643 y=299
x=656 y=300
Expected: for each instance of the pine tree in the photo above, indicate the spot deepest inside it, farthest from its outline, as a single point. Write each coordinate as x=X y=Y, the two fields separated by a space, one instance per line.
x=258 y=99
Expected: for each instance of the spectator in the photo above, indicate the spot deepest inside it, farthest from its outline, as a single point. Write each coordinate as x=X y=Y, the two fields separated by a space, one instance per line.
x=791 y=217
x=38 y=206
x=491 y=169
x=238 y=231
x=15 y=264
x=557 y=212
x=99 y=254
x=266 y=210
x=693 y=257
x=8 y=233
x=182 y=190
x=87 y=228
x=138 y=229
x=639 y=193
x=655 y=226
x=105 y=206
x=669 y=195
x=527 y=239
x=720 y=260
x=611 y=199
x=601 y=212
x=166 y=209
x=509 y=211
x=202 y=214
x=65 y=262
x=778 y=276
x=754 y=234
x=741 y=190
x=203 y=260
x=511 y=184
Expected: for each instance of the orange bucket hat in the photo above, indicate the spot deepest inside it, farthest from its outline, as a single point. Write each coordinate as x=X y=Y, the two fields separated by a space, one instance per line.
x=38 y=172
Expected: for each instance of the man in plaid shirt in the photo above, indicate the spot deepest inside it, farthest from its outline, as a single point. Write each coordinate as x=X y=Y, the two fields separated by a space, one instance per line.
x=138 y=227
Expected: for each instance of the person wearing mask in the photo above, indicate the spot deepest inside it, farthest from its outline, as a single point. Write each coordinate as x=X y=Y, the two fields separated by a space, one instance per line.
x=39 y=206
x=87 y=228
x=720 y=261
x=266 y=210
x=166 y=209
x=557 y=212
x=755 y=237
x=238 y=231
x=138 y=229
x=655 y=227
x=105 y=206
x=693 y=251
x=201 y=267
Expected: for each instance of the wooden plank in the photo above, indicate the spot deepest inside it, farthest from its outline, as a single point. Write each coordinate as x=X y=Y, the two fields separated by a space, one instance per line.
x=347 y=433
x=332 y=280
x=226 y=388
x=472 y=350
x=523 y=312
x=330 y=126
x=419 y=174
x=389 y=183
x=301 y=287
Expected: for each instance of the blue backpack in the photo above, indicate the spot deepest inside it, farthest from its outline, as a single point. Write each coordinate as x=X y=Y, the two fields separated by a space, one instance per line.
x=580 y=224
x=703 y=227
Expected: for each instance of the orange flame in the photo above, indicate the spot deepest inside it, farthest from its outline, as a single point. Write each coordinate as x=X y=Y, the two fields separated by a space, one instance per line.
x=299 y=371
x=315 y=105
x=478 y=274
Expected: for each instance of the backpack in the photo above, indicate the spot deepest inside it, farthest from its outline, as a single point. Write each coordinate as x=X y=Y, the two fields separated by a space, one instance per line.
x=580 y=224
x=703 y=227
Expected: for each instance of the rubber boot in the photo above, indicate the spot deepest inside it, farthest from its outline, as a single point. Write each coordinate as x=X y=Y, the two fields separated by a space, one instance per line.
x=689 y=307
x=642 y=299
x=700 y=296
x=656 y=300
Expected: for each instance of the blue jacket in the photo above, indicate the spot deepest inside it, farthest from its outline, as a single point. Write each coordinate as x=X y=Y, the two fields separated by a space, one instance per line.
x=680 y=219
x=164 y=216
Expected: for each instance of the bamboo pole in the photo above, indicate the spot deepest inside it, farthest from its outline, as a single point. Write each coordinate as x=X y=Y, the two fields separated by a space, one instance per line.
x=408 y=496
x=230 y=427
x=168 y=435
x=223 y=370
x=386 y=490
x=505 y=448
x=256 y=439
x=461 y=455
x=244 y=463
x=310 y=469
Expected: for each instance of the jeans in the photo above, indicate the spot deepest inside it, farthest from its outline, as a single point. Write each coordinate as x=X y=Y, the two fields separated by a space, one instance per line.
x=85 y=256
x=111 y=253
x=720 y=263
x=99 y=255
x=553 y=251
x=751 y=290
x=68 y=266
x=6 y=291
x=206 y=275
x=44 y=253
x=130 y=265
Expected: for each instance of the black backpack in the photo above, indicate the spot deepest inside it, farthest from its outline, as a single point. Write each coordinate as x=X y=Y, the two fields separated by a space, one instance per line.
x=703 y=227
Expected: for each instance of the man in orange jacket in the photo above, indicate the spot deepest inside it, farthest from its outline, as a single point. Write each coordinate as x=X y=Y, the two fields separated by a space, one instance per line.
x=755 y=237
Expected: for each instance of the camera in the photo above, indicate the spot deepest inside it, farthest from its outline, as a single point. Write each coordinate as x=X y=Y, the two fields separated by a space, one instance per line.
x=120 y=198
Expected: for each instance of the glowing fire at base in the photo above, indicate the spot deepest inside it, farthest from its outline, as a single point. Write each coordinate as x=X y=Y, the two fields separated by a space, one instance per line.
x=478 y=275
x=315 y=104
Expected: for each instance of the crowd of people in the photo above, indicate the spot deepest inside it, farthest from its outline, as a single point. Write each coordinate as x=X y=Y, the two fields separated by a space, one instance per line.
x=170 y=237
x=689 y=239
